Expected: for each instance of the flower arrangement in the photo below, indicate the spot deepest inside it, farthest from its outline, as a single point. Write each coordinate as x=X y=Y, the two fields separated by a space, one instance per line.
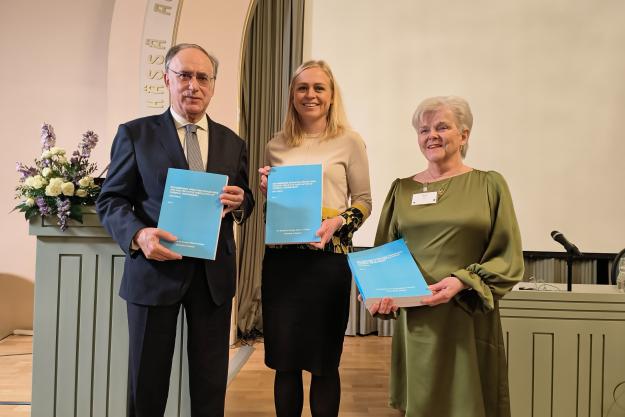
x=56 y=185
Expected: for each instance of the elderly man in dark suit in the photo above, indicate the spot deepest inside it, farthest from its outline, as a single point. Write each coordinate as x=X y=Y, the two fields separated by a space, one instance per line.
x=156 y=280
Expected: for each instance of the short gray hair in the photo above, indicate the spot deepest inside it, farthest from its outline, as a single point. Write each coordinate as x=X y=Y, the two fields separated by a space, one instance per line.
x=458 y=106
x=173 y=51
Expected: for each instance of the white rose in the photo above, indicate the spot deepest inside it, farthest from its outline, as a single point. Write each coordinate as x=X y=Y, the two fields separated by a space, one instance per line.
x=54 y=187
x=68 y=189
x=55 y=150
x=61 y=159
x=46 y=172
x=46 y=155
x=35 y=182
x=85 y=182
x=81 y=192
x=40 y=181
x=30 y=202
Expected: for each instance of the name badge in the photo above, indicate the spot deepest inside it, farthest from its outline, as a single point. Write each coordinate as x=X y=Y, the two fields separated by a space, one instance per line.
x=420 y=199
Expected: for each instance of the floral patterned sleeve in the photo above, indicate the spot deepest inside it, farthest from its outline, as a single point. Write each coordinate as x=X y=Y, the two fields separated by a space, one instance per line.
x=354 y=218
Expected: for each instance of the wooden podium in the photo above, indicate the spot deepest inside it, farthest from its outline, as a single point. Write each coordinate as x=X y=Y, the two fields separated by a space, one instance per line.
x=566 y=351
x=80 y=344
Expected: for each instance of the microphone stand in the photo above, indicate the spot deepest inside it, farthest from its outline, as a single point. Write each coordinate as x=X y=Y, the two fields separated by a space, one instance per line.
x=570 y=256
x=569 y=271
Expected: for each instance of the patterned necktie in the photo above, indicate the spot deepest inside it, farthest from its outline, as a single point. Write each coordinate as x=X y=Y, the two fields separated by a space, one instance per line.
x=194 y=156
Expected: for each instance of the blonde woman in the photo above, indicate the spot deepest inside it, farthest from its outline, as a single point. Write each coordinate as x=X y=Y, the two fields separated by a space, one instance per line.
x=306 y=288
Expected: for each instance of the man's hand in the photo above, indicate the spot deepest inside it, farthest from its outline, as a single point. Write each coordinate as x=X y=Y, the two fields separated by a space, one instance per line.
x=327 y=229
x=264 y=173
x=148 y=240
x=231 y=198
x=443 y=291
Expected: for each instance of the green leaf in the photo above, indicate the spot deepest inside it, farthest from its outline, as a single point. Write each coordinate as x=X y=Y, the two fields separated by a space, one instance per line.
x=31 y=212
x=75 y=212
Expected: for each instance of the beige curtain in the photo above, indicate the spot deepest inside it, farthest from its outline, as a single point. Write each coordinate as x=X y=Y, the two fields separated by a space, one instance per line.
x=272 y=51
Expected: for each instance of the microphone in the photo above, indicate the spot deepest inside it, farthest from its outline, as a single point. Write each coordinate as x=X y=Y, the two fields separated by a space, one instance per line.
x=570 y=248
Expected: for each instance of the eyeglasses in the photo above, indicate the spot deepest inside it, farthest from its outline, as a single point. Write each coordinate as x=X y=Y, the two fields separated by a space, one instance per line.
x=202 y=79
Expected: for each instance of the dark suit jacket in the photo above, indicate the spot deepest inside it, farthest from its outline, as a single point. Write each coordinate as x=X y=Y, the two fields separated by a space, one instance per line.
x=131 y=197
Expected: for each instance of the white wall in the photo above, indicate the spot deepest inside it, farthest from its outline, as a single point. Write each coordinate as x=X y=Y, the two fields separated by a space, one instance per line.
x=545 y=81
x=53 y=70
x=559 y=105
x=56 y=69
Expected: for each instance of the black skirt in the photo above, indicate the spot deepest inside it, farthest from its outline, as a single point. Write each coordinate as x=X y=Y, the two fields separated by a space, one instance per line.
x=305 y=299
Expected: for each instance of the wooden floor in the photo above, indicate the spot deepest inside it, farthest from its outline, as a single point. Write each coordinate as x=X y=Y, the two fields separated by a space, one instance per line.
x=364 y=380
x=15 y=374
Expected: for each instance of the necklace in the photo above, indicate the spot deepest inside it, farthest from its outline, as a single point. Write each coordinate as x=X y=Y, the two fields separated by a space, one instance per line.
x=442 y=190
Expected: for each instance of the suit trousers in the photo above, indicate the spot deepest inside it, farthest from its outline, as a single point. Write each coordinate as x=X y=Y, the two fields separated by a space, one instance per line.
x=152 y=335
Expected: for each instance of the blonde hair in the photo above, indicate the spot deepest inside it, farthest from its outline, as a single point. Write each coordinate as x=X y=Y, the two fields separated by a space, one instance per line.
x=458 y=106
x=336 y=120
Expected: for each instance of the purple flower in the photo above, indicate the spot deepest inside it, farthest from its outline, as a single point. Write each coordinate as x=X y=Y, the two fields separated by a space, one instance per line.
x=48 y=138
x=63 y=207
x=44 y=209
x=88 y=142
x=55 y=164
x=25 y=171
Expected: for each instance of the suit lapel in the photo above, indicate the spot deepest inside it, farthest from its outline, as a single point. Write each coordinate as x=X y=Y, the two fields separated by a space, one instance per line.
x=215 y=148
x=168 y=137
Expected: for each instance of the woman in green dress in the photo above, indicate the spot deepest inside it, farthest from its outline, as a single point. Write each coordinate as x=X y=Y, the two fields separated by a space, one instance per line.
x=448 y=357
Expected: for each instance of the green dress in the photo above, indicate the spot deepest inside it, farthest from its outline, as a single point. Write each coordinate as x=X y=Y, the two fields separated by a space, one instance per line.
x=449 y=360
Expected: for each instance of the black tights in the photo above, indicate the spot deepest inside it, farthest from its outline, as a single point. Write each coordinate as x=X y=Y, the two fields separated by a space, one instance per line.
x=325 y=394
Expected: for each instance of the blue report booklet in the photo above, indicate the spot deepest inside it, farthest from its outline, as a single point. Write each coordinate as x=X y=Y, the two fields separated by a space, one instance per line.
x=191 y=211
x=293 y=204
x=388 y=271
